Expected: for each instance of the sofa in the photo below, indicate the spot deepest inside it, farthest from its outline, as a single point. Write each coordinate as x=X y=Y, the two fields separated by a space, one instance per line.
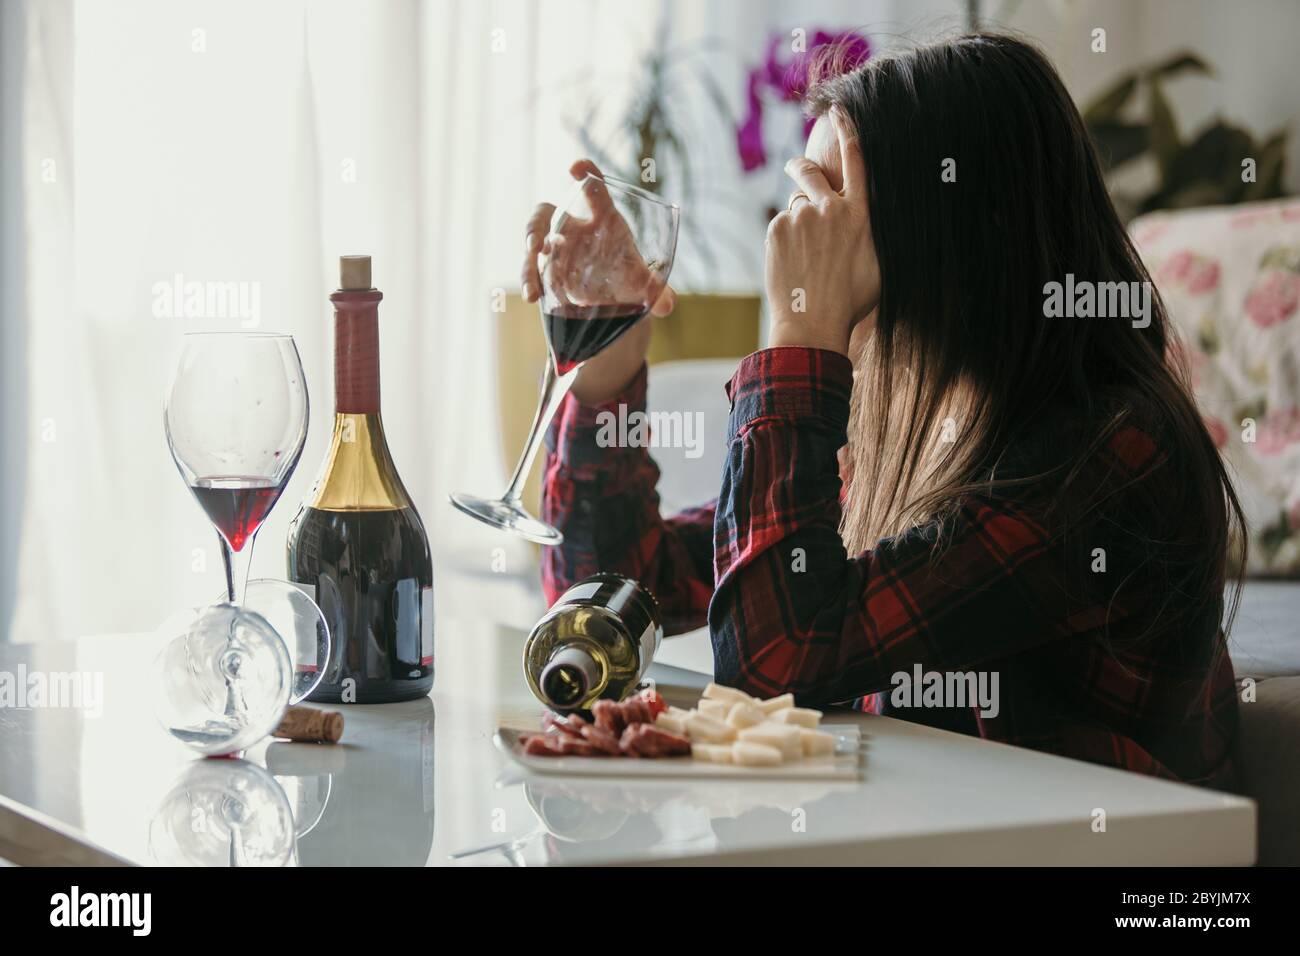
x=1230 y=278
x=1263 y=644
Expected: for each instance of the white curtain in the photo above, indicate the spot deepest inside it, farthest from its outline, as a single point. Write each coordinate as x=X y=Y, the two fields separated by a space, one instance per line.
x=254 y=142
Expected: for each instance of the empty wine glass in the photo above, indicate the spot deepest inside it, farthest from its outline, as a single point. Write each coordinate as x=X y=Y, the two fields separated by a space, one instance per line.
x=606 y=260
x=222 y=684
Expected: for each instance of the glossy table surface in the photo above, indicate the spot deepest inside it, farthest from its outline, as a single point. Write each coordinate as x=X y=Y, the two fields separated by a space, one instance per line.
x=421 y=783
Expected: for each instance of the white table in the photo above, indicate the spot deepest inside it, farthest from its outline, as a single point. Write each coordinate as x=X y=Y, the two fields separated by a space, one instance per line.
x=421 y=783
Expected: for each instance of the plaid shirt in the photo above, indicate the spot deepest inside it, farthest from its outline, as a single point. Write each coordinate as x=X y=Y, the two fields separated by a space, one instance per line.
x=789 y=610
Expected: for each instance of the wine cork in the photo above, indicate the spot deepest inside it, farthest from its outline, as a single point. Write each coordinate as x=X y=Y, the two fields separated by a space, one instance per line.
x=309 y=724
x=354 y=273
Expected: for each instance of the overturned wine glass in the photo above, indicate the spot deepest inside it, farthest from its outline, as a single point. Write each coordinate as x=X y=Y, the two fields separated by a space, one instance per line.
x=224 y=681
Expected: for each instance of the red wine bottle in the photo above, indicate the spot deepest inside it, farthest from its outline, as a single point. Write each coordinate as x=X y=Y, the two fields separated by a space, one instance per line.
x=357 y=544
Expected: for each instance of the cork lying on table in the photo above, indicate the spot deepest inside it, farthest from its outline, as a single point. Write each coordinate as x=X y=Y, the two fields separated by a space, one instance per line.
x=310 y=725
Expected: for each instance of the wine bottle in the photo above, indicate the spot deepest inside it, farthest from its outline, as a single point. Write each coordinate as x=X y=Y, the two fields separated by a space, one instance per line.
x=596 y=641
x=357 y=544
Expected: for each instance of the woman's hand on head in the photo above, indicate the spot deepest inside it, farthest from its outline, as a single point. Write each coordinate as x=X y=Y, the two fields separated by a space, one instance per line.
x=822 y=277
x=604 y=376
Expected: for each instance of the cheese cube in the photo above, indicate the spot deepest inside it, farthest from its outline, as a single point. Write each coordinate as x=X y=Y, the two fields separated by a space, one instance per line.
x=772 y=705
x=722 y=692
x=784 y=737
x=671 y=722
x=717 y=709
x=745 y=715
x=712 y=753
x=800 y=716
x=749 y=754
x=816 y=743
x=706 y=730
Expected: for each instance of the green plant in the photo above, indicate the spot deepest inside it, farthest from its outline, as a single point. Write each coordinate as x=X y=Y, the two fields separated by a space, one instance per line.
x=1205 y=171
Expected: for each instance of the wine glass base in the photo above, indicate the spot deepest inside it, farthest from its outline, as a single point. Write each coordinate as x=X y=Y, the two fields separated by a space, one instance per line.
x=507 y=517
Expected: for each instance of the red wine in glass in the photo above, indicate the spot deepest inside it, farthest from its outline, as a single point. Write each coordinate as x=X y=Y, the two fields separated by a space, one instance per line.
x=236 y=506
x=577 y=333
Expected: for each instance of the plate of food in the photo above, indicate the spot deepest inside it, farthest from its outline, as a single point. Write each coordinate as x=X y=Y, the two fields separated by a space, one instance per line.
x=728 y=734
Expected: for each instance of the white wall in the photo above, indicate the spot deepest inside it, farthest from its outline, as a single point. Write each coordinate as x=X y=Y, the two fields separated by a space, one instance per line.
x=1252 y=44
x=1253 y=47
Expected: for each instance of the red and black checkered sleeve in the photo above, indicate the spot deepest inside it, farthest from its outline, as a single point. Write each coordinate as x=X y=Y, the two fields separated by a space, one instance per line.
x=602 y=497
x=792 y=611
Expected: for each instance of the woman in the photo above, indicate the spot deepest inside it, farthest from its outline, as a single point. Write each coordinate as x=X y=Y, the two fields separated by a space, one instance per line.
x=1032 y=497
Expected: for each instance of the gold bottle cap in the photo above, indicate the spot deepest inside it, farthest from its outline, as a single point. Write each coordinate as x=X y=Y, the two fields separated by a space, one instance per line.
x=354 y=273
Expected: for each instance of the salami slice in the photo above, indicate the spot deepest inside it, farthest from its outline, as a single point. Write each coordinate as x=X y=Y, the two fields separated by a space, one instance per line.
x=606 y=744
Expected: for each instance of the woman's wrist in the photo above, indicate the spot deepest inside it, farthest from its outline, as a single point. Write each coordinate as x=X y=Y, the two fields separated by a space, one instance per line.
x=606 y=385
x=615 y=369
x=791 y=334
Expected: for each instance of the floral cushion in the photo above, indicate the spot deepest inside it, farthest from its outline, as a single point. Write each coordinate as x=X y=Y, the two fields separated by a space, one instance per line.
x=1230 y=278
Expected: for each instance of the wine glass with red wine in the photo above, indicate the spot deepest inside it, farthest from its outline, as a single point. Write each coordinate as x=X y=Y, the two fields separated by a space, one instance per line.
x=236 y=422
x=604 y=263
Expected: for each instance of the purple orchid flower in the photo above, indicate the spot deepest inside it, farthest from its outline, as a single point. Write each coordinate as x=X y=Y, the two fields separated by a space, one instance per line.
x=790 y=81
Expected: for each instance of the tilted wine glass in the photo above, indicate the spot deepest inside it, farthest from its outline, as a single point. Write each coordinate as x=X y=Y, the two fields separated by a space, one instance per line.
x=605 y=262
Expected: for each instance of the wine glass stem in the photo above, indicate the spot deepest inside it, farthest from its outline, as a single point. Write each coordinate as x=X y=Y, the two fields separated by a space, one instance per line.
x=554 y=388
x=237 y=564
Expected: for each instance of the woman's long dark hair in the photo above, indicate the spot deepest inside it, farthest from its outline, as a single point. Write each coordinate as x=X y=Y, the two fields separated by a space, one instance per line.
x=962 y=339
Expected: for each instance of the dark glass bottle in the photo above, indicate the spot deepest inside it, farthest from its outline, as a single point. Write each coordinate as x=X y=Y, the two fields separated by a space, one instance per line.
x=597 y=641
x=357 y=544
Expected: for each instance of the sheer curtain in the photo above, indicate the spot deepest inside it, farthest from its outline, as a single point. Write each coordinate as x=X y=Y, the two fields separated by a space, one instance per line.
x=252 y=143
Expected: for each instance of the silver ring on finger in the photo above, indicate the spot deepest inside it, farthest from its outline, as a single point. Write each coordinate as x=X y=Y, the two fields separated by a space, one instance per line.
x=794 y=198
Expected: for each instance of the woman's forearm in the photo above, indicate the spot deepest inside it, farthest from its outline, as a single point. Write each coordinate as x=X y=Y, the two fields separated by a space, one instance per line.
x=602 y=497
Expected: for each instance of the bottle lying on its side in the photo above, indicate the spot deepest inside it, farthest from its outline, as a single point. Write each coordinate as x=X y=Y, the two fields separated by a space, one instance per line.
x=597 y=641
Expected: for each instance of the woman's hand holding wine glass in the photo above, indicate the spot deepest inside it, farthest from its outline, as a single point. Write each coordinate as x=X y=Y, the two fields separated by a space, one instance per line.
x=595 y=261
x=605 y=257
